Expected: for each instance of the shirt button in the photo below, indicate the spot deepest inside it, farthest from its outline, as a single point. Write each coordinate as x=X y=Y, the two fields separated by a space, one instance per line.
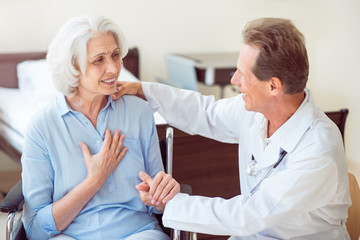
x=98 y=142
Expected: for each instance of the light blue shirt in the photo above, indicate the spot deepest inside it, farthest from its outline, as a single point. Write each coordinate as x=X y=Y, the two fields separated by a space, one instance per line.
x=53 y=165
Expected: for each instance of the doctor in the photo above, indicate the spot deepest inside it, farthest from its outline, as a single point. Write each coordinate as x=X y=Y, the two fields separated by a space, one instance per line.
x=293 y=172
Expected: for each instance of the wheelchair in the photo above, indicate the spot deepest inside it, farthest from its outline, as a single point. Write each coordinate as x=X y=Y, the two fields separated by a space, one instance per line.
x=14 y=199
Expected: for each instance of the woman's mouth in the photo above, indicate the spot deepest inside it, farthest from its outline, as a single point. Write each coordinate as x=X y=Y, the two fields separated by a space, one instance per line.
x=109 y=81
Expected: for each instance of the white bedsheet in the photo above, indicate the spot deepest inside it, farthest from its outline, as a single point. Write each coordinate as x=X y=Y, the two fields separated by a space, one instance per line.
x=18 y=107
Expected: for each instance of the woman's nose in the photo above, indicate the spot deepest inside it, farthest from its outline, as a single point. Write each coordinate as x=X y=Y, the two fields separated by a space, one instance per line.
x=112 y=67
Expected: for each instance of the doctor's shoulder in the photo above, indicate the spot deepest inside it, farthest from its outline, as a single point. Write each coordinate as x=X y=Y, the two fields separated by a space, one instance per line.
x=326 y=130
x=321 y=141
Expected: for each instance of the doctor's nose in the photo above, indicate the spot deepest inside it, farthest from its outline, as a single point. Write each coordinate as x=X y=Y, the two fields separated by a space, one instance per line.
x=235 y=80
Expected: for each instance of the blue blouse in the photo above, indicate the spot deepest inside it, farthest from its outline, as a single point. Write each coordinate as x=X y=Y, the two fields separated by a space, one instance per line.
x=53 y=164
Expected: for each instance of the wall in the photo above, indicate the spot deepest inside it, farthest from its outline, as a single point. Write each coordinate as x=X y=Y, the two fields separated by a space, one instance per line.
x=161 y=26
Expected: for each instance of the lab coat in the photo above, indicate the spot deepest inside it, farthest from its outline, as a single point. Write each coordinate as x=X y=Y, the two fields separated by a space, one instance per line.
x=305 y=197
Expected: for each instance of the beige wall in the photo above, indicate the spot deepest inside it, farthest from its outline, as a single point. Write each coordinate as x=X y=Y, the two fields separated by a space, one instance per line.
x=161 y=26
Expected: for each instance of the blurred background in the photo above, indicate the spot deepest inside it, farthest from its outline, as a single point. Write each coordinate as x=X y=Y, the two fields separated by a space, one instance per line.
x=159 y=27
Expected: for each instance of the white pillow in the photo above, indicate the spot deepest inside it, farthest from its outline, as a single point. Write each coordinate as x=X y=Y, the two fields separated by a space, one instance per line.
x=35 y=75
x=127 y=76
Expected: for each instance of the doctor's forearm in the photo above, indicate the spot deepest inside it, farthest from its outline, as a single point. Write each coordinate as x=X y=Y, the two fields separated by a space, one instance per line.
x=192 y=112
x=179 y=107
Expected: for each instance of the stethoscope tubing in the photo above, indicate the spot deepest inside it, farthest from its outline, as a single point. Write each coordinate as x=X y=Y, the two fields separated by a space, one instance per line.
x=281 y=157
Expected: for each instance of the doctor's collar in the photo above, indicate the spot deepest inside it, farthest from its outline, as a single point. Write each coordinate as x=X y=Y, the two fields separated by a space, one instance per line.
x=290 y=133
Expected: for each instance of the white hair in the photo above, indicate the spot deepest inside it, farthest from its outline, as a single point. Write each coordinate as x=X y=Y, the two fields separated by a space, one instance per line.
x=68 y=50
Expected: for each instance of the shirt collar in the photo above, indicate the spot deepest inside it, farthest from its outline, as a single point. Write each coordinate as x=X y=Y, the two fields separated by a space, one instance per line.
x=290 y=133
x=64 y=108
x=285 y=138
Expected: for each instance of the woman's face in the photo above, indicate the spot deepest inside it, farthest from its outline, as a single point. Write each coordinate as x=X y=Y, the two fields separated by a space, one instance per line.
x=103 y=66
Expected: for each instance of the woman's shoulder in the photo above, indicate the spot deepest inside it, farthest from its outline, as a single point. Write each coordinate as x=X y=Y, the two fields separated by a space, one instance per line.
x=43 y=116
x=134 y=104
x=134 y=113
x=130 y=99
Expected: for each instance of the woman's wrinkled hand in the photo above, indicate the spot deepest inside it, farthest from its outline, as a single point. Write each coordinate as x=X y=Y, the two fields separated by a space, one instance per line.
x=157 y=191
x=101 y=165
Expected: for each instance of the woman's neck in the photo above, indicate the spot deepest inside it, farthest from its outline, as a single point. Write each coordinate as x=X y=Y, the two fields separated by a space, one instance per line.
x=89 y=106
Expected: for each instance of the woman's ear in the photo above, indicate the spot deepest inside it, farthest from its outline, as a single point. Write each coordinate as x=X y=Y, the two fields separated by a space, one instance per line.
x=76 y=66
x=275 y=86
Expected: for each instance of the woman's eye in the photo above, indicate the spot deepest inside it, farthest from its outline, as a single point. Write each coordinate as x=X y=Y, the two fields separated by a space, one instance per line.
x=98 y=60
x=116 y=55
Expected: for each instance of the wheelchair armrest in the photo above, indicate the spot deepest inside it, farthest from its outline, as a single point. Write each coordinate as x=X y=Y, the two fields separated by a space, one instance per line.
x=14 y=199
x=186 y=188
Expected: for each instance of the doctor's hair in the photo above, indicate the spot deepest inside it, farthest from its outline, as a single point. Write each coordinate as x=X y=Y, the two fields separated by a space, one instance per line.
x=282 y=52
x=67 y=53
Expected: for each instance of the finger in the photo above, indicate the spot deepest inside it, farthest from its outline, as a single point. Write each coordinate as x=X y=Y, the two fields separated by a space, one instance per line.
x=107 y=140
x=167 y=189
x=86 y=153
x=145 y=178
x=115 y=141
x=120 y=143
x=119 y=90
x=116 y=95
x=160 y=182
x=120 y=83
x=121 y=154
x=172 y=194
x=85 y=150
x=144 y=196
x=115 y=160
x=143 y=187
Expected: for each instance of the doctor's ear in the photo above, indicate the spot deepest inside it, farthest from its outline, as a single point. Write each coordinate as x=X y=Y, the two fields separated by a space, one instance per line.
x=275 y=86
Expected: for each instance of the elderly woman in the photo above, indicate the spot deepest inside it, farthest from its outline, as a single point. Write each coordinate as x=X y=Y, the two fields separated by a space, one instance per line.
x=79 y=173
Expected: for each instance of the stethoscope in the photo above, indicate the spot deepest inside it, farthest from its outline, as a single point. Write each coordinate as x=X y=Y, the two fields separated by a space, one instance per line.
x=252 y=169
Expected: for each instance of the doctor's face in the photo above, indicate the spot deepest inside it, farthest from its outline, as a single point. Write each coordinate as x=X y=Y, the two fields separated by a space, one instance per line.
x=102 y=68
x=255 y=92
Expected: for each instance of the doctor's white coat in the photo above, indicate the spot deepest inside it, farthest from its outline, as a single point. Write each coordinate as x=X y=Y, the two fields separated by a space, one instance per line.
x=306 y=197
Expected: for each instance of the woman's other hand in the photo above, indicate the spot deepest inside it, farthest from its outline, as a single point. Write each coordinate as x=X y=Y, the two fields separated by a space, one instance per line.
x=128 y=88
x=102 y=164
x=157 y=191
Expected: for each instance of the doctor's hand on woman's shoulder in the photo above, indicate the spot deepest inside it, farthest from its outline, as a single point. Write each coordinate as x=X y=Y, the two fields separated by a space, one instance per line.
x=157 y=191
x=128 y=88
x=99 y=166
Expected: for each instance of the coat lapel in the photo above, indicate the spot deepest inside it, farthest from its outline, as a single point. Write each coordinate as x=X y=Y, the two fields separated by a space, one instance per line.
x=286 y=137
